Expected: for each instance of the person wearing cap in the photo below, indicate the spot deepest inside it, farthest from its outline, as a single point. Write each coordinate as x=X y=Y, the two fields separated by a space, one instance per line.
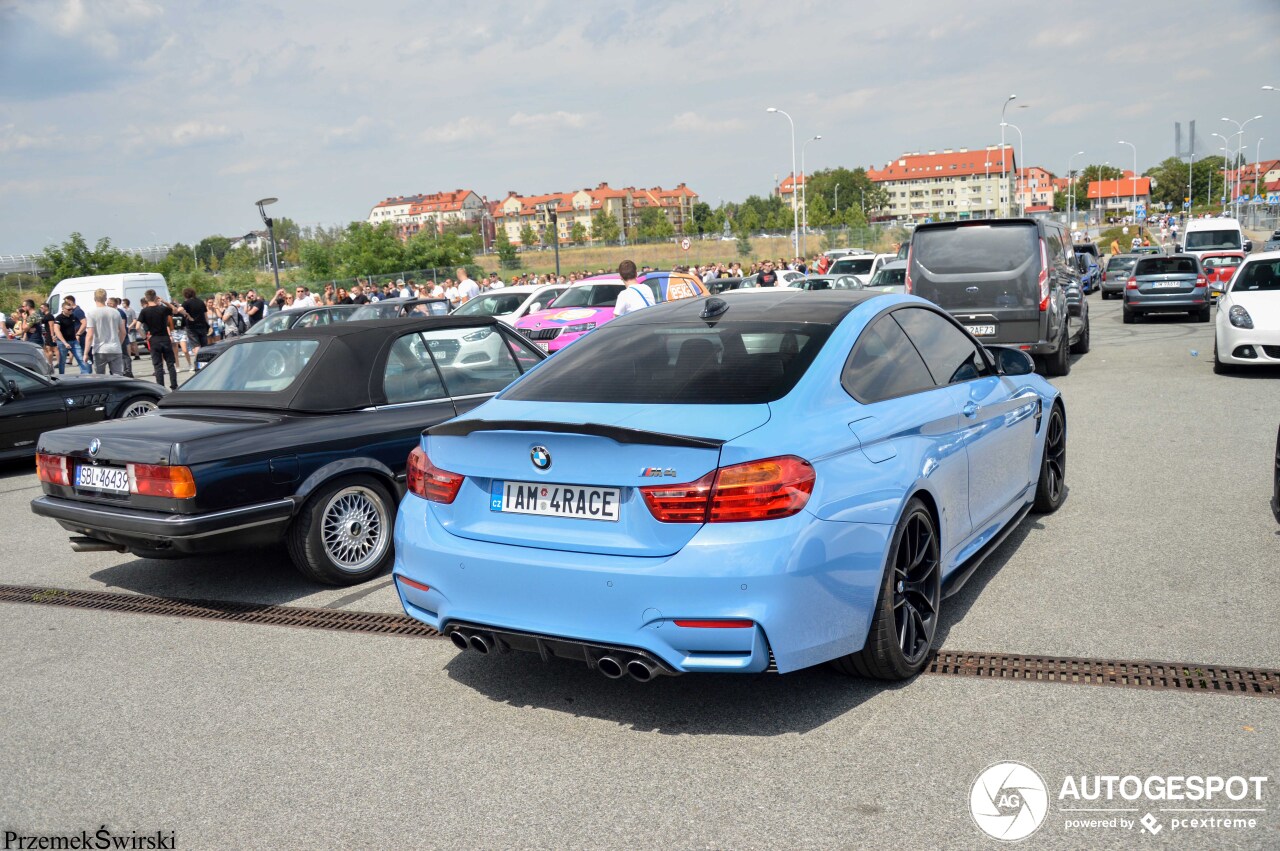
x=495 y=283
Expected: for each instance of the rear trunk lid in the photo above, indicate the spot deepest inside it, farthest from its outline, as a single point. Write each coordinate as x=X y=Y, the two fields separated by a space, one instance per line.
x=580 y=467
x=986 y=275
x=1167 y=275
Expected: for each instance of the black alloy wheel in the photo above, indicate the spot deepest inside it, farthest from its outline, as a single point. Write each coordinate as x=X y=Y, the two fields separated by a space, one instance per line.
x=907 y=609
x=1051 y=489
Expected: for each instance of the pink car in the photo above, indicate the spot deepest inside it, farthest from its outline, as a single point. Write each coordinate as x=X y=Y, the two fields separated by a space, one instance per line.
x=589 y=303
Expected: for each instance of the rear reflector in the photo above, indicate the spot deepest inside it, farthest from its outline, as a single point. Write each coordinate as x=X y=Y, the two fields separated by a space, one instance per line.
x=54 y=469
x=407 y=581
x=161 y=480
x=429 y=481
x=713 y=624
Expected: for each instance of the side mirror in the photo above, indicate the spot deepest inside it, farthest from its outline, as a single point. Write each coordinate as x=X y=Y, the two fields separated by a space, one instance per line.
x=1248 y=245
x=12 y=391
x=1012 y=361
x=536 y=306
x=1177 y=247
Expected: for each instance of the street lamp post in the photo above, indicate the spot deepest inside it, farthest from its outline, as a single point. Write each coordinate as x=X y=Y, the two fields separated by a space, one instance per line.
x=270 y=223
x=1226 y=157
x=1017 y=179
x=1071 y=199
x=1002 y=123
x=1133 y=180
x=1239 y=147
x=986 y=188
x=795 y=211
x=804 y=188
x=836 y=206
x=1257 y=153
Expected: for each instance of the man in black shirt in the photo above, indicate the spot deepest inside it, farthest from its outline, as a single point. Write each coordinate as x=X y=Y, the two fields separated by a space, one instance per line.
x=255 y=307
x=358 y=296
x=156 y=321
x=196 y=312
x=767 y=277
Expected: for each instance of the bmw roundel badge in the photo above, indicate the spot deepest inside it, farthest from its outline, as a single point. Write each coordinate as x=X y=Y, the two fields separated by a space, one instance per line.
x=540 y=457
x=94 y=446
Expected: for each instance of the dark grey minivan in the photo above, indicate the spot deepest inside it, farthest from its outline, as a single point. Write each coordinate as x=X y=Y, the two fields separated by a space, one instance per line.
x=1011 y=282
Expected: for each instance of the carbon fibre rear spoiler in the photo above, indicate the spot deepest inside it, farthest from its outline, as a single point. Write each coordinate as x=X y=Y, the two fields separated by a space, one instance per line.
x=462 y=428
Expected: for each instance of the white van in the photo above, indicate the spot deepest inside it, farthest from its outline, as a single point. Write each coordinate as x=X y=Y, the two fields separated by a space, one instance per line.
x=1206 y=235
x=130 y=285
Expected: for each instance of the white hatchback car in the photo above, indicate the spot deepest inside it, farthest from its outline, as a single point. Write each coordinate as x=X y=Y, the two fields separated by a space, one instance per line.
x=511 y=303
x=1248 y=323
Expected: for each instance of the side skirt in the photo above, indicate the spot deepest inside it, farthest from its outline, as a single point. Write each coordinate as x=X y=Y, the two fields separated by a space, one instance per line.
x=958 y=577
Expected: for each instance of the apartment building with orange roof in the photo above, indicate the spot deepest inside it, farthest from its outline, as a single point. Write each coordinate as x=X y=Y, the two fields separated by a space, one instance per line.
x=413 y=213
x=1118 y=196
x=516 y=212
x=948 y=184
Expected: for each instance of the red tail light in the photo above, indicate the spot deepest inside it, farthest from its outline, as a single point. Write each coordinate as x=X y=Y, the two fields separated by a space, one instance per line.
x=1131 y=284
x=908 y=287
x=54 y=469
x=161 y=480
x=757 y=490
x=1043 y=278
x=429 y=481
x=1200 y=281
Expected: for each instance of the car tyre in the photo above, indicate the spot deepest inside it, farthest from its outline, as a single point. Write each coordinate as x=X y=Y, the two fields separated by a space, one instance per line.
x=907 y=609
x=1130 y=317
x=1059 y=363
x=342 y=535
x=1081 y=346
x=1202 y=315
x=1220 y=368
x=1051 y=488
x=135 y=406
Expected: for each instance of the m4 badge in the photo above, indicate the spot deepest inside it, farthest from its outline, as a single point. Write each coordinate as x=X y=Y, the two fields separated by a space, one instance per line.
x=657 y=472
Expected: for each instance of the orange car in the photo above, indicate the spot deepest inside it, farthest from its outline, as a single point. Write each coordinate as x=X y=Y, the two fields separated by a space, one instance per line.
x=1219 y=267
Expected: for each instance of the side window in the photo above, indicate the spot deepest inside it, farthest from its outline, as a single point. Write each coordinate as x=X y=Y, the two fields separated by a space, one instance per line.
x=472 y=360
x=950 y=355
x=526 y=357
x=884 y=364
x=309 y=321
x=25 y=383
x=410 y=375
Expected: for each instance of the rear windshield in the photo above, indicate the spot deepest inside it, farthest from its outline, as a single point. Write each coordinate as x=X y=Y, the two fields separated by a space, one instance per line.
x=1215 y=262
x=1121 y=264
x=261 y=366
x=889 y=278
x=732 y=363
x=1166 y=266
x=1199 y=240
x=977 y=266
x=852 y=266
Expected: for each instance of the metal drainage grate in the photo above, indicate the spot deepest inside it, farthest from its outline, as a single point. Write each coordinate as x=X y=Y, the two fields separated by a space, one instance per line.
x=1125 y=673
x=1162 y=676
x=371 y=623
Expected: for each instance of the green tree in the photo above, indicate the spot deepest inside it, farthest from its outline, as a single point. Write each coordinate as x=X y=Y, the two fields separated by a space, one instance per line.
x=744 y=245
x=370 y=250
x=319 y=259
x=429 y=250
x=74 y=258
x=578 y=233
x=701 y=219
x=211 y=247
x=604 y=227
x=508 y=257
x=654 y=225
x=528 y=236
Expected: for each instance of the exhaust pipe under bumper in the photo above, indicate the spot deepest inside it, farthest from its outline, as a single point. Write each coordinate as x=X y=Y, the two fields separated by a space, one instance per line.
x=459 y=639
x=610 y=667
x=642 y=670
x=93 y=545
x=480 y=643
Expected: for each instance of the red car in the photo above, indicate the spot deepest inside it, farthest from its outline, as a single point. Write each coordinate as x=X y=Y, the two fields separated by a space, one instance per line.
x=1219 y=267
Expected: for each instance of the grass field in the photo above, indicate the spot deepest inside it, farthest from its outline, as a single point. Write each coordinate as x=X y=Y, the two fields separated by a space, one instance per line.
x=663 y=255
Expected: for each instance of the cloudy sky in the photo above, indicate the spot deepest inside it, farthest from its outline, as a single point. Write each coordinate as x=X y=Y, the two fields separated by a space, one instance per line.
x=153 y=121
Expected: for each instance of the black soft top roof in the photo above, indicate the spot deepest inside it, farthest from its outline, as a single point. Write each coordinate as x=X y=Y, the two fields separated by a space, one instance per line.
x=344 y=374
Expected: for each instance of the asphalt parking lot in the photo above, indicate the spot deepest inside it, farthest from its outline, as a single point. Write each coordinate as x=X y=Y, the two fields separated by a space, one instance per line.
x=240 y=736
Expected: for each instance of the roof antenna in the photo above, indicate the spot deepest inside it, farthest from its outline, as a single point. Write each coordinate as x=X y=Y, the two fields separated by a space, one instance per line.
x=712 y=308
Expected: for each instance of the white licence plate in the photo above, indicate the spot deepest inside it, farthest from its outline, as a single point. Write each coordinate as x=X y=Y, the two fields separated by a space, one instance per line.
x=113 y=479
x=577 y=501
x=546 y=347
x=1167 y=285
x=981 y=330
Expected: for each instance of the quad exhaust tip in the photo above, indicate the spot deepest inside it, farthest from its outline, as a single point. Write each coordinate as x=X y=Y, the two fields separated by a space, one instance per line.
x=610 y=667
x=642 y=670
x=481 y=643
x=459 y=640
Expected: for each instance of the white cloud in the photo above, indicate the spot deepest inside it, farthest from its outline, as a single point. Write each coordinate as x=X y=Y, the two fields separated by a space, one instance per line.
x=198 y=133
x=559 y=119
x=696 y=122
x=455 y=131
x=355 y=133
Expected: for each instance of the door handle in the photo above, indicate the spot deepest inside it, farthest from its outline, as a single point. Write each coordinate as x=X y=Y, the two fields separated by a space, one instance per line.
x=970 y=410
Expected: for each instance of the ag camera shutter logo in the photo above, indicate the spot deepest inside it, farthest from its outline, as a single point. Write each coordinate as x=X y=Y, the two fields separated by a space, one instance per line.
x=1009 y=801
